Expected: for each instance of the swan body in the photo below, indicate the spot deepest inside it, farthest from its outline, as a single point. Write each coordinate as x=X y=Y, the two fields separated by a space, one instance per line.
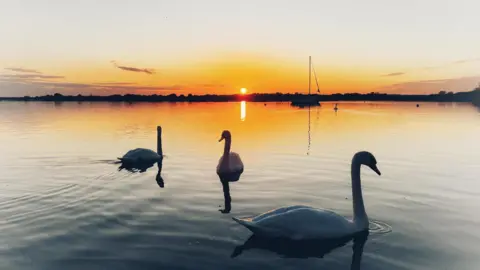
x=234 y=164
x=141 y=155
x=301 y=222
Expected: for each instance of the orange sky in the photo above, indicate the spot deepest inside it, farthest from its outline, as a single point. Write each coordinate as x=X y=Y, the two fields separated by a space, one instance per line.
x=225 y=74
x=198 y=47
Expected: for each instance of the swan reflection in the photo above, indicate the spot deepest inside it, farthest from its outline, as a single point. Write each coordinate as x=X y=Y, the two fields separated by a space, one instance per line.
x=309 y=135
x=159 y=177
x=287 y=248
x=141 y=167
x=243 y=110
x=137 y=167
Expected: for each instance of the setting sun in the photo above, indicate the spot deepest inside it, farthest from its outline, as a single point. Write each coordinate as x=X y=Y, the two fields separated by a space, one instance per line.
x=243 y=91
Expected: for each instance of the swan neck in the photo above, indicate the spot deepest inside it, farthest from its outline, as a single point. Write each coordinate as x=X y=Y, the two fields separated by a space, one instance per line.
x=228 y=145
x=359 y=214
x=159 y=142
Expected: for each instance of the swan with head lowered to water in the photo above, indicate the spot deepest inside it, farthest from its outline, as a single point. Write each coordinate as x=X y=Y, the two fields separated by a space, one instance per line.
x=303 y=222
x=141 y=157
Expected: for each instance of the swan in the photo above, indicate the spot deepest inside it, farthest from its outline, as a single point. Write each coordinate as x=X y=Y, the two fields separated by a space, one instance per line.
x=142 y=155
x=301 y=222
x=229 y=168
x=230 y=165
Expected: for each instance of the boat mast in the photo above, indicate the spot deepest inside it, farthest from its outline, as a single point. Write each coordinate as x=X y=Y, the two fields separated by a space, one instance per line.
x=309 y=73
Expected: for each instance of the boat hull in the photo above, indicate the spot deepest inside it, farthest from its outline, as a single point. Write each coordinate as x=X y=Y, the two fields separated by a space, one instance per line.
x=310 y=101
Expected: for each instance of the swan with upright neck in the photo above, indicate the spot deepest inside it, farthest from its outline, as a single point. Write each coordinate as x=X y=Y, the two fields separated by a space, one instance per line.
x=229 y=168
x=300 y=222
x=230 y=165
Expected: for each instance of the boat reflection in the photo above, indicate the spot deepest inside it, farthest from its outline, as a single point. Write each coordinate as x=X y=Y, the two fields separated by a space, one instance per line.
x=243 y=110
x=309 y=130
x=477 y=104
x=287 y=248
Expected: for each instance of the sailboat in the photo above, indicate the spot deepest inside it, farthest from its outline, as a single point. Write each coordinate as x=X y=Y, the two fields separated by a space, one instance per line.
x=310 y=100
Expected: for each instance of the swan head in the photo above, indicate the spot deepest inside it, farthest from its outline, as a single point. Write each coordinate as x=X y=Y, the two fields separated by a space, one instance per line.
x=225 y=135
x=367 y=159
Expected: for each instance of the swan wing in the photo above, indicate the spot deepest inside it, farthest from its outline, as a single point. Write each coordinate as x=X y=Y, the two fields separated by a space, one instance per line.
x=277 y=211
x=219 y=164
x=235 y=163
x=129 y=154
x=298 y=222
x=141 y=153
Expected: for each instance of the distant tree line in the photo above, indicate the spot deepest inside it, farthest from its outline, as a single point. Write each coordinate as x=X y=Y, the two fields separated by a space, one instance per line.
x=442 y=96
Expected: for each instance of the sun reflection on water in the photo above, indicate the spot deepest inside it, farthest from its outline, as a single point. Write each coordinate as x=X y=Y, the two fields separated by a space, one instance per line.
x=243 y=110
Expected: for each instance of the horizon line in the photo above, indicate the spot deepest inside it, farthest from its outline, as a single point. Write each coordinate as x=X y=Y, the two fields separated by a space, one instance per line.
x=238 y=94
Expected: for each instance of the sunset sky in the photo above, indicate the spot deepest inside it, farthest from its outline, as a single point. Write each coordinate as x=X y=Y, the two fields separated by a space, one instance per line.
x=209 y=46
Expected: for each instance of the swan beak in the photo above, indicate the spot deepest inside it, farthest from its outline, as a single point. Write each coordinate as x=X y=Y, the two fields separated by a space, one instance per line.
x=221 y=139
x=375 y=169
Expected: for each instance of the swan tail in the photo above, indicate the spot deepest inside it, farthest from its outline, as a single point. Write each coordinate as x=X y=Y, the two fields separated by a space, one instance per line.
x=123 y=160
x=239 y=221
x=246 y=224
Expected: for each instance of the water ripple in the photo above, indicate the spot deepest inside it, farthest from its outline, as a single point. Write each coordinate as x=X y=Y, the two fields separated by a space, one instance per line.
x=376 y=227
x=64 y=205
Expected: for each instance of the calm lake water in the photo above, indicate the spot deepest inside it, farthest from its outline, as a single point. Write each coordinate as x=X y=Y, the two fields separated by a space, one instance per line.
x=63 y=205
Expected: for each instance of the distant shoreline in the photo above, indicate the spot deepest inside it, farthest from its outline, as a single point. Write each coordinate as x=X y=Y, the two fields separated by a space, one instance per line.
x=471 y=96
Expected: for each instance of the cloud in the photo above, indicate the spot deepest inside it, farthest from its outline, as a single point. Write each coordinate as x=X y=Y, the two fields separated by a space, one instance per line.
x=393 y=74
x=457 y=62
x=63 y=84
x=107 y=86
x=211 y=85
x=26 y=76
x=134 y=69
x=30 y=83
x=29 y=76
x=32 y=88
x=433 y=86
x=133 y=88
x=25 y=70
x=33 y=83
x=466 y=61
x=452 y=63
x=116 y=83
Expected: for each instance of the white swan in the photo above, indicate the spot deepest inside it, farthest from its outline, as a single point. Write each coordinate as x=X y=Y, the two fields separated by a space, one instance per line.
x=142 y=155
x=303 y=222
x=230 y=163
